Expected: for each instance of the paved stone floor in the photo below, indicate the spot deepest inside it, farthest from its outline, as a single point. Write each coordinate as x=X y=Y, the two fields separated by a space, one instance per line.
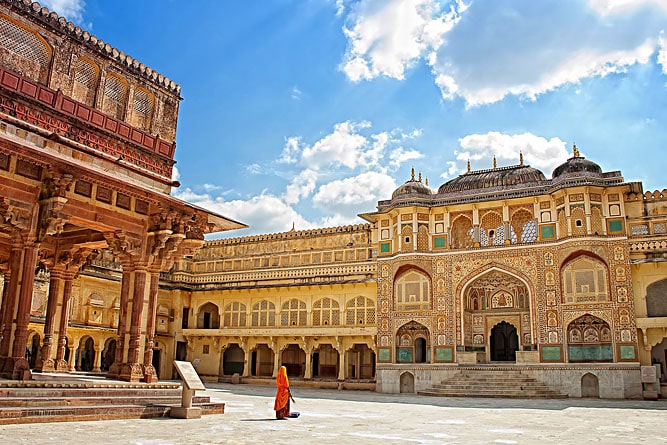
x=362 y=417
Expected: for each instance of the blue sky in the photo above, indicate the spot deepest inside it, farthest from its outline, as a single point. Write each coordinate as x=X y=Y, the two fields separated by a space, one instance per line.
x=308 y=112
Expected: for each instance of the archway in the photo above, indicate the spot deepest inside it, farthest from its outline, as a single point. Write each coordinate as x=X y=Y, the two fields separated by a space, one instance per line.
x=412 y=343
x=360 y=362
x=407 y=383
x=294 y=359
x=420 y=350
x=325 y=362
x=232 y=360
x=108 y=354
x=590 y=386
x=589 y=340
x=86 y=358
x=33 y=352
x=208 y=317
x=261 y=361
x=504 y=342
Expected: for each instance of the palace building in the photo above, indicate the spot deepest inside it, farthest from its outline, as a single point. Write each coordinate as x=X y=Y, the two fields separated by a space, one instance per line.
x=562 y=278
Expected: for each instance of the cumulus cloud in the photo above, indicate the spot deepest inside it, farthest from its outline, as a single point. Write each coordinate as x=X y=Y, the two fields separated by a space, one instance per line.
x=301 y=186
x=486 y=50
x=71 y=9
x=342 y=147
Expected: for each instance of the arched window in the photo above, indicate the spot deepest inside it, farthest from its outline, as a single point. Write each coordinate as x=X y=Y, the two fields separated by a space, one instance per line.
x=656 y=299
x=578 y=221
x=422 y=238
x=115 y=96
x=360 y=311
x=24 y=51
x=562 y=224
x=293 y=313
x=406 y=239
x=523 y=227
x=264 y=314
x=462 y=233
x=326 y=312
x=585 y=281
x=412 y=291
x=142 y=109
x=596 y=220
x=86 y=75
x=492 y=231
x=234 y=314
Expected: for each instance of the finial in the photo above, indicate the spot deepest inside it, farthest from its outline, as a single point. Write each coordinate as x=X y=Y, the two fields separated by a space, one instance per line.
x=427 y=181
x=420 y=177
x=468 y=165
x=495 y=164
x=413 y=173
x=521 y=158
x=575 y=150
x=293 y=226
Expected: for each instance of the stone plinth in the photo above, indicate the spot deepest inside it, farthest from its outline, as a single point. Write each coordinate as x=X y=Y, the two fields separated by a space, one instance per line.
x=470 y=358
x=180 y=412
x=527 y=357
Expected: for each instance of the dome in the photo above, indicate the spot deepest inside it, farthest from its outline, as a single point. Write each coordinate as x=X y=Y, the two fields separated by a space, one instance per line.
x=576 y=164
x=412 y=187
x=496 y=177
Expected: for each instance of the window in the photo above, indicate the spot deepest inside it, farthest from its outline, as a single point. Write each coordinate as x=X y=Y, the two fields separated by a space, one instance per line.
x=264 y=314
x=24 y=51
x=412 y=292
x=585 y=281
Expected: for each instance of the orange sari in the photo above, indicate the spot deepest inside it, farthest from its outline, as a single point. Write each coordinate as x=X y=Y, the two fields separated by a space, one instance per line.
x=281 y=404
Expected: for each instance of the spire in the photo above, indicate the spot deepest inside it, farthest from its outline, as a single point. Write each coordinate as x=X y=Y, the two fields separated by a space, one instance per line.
x=521 y=158
x=420 y=177
x=293 y=226
x=468 y=165
x=413 y=173
x=495 y=164
x=427 y=181
x=575 y=151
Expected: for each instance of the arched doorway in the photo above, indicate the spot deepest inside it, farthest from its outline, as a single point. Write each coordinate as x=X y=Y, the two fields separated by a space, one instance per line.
x=86 y=358
x=232 y=360
x=407 y=383
x=504 y=342
x=411 y=343
x=294 y=359
x=261 y=361
x=325 y=362
x=108 y=354
x=361 y=362
x=590 y=386
x=420 y=350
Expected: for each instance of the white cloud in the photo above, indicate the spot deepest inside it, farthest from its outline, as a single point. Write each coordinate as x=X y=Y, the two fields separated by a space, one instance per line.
x=301 y=187
x=347 y=197
x=662 y=54
x=538 y=152
x=175 y=174
x=71 y=9
x=500 y=48
x=401 y=155
x=296 y=93
x=291 y=151
x=342 y=147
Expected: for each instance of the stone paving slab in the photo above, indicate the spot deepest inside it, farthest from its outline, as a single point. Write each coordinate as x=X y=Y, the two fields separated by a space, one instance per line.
x=362 y=417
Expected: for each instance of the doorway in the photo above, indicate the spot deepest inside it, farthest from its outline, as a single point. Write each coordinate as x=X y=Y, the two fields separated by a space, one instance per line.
x=504 y=342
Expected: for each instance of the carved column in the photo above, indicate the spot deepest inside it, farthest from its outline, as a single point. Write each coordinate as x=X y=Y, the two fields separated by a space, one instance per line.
x=149 y=371
x=132 y=370
x=47 y=364
x=96 y=361
x=119 y=359
x=9 y=298
x=276 y=361
x=308 y=374
x=247 y=361
x=61 y=364
x=341 y=365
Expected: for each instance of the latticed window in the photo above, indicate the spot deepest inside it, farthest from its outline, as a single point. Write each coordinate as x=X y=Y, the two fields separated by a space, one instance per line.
x=413 y=292
x=85 y=81
x=523 y=226
x=578 y=221
x=462 y=233
x=115 y=96
x=264 y=314
x=360 y=310
x=24 y=51
x=659 y=228
x=406 y=239
x=326 y=312
x=491 y=226
x=585 y=281
x=596 y=221
x=422 y=238
x=639 y=229
x=293 y=313
x=142 y=105
x=234 y=314
x=562 y=224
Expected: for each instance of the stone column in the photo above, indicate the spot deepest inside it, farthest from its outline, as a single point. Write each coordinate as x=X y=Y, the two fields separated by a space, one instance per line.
x=247 y=361
x=132 y=371
x=60 y=364
x=96 y=362
x=341 y=364
x=276 y=362
x=70 y=361
x=9 y=297
x=150 y=375
x=308 y=373
x=119 y=359
x=47 y=363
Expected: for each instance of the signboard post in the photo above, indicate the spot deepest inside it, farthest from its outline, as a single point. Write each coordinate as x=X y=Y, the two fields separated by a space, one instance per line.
x=191 y=383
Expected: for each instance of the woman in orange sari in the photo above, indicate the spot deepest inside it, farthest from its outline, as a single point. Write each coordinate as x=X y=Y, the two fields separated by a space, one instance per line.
x=281 y=404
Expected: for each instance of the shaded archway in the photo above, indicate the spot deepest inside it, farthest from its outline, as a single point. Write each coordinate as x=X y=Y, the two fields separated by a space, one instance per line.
x=412 y=343
x=232 y=360
x=33 y=351
x=504 y=342
x=325 y=362
x=360 y=362
x=108 y=354
x=86 y=354
x=261 y=361
x=294 y=359
x=208 y=317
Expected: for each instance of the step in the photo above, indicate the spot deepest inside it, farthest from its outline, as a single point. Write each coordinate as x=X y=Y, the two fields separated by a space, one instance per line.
x=16 y=402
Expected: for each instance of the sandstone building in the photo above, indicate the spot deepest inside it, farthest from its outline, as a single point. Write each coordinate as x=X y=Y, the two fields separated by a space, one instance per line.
x=560 y=276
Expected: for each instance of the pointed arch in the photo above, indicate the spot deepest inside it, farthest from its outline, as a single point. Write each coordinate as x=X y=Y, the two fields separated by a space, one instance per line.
x=461 y=233
x=584 y=279
x=412 y=290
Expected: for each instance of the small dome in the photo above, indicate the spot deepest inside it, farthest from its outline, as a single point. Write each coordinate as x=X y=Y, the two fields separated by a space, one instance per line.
x=497 y=177
x=411 y=187
x=576 y=164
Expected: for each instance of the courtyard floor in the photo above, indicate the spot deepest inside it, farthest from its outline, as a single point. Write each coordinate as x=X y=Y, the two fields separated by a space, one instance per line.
x=362 y=417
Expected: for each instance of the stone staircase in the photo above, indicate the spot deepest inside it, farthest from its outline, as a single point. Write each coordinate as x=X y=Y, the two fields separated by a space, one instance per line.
x=492 y=382
x=74 y=400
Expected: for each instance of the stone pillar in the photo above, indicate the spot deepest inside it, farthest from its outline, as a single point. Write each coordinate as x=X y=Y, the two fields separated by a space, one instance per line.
x=341 y=365
x=150 y=375
x=132 y=371
x=70 y=362
x=47 y=363
x=247 y=361
x=96 y=362
x=9 y=297
x=276 y=362
x=60 y=364
x=119 y=359
x=308 y=374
